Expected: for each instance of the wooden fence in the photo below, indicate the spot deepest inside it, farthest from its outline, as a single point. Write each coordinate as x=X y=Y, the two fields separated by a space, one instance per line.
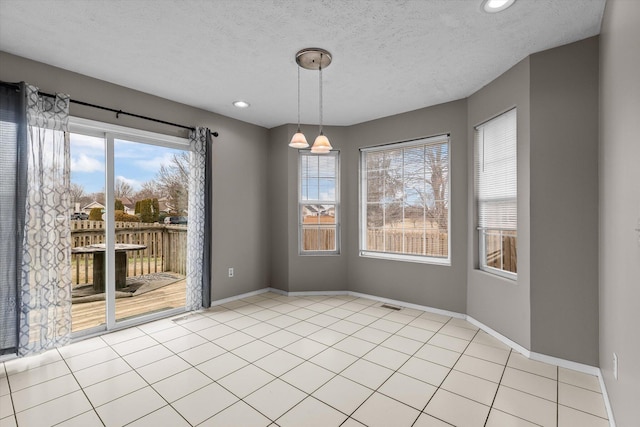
x=431 y=243
x=165 y=247
x=501 y=250
x=319 y=239
x=415 y=242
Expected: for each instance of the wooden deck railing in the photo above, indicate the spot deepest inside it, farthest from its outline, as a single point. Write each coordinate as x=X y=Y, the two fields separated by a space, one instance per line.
x=165 y=247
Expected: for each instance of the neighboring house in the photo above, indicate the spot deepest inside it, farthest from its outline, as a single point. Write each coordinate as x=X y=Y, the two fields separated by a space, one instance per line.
x=92 y=205
x=165 y=204
x=129 y=205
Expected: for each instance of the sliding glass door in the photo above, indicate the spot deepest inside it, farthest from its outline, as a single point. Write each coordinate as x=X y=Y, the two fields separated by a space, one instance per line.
x=87 y=230
x=129 y=225
x=151 y=200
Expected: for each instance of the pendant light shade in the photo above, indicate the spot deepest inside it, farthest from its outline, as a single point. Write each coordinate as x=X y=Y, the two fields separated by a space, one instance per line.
x=298 y=140
x=321 y=145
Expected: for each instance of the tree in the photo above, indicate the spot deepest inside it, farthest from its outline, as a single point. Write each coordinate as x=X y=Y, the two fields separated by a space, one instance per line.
x=118 y=205
x=437 y=161
x=148 y=210
x=149 y=190
x=121 y=216
x=408 y=185
x=122 y=189
x=95 y=214
x=173 y=181
x=77 y=195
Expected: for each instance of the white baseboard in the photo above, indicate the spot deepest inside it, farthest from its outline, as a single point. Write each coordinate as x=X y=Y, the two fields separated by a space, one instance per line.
x=563 y=363
x=497 y=335
x=607 y=402
x=580 y=367
x=237 y=297
x=408 y=305
x=316 y=293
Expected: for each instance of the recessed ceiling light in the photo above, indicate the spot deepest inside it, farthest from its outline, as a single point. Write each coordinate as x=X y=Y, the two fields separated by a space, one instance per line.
x=493 y=6
x=241 y=104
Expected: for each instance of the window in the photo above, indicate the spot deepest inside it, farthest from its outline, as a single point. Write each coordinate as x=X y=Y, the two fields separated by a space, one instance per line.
x=405 y=201
x=496 y=192
x=318 y=203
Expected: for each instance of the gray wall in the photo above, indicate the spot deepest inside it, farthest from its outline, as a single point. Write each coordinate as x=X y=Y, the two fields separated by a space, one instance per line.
x=437 y=286
x=240 y=236
x=500 y=303
x=278 y=195
x=564 y=201
x=620 y=206
x=290 y=270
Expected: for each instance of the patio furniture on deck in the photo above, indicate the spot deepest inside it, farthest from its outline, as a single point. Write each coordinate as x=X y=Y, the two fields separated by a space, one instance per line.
x=98 y=262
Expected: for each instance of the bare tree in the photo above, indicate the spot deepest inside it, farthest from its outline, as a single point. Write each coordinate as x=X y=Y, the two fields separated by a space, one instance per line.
x=149 y=190
x=122 y=189
x=405 y=191
x=437 y=161
x=173 y=181
x=78 y=195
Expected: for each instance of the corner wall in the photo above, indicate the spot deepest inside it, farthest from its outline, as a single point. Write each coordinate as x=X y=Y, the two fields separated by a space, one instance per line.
x=620 y=206
x=240 y=236
x=500 y=303
x=564 y=201
x=291 y=271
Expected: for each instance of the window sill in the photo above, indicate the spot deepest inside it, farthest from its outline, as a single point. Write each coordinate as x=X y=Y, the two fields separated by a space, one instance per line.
x=406 y=258
x=513 y=277
x=319 y=254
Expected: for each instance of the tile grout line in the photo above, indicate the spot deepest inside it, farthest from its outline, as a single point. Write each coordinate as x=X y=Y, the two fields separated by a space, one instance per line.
x=93 y=408
x=143 y=378
x=493 y=401
x=13 y=406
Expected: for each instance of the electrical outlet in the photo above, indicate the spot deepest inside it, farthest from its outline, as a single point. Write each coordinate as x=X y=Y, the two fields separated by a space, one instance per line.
x=230 y=271
x=615 y=366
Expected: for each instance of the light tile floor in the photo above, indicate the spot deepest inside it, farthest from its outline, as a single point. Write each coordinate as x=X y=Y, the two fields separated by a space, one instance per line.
x=271 y=360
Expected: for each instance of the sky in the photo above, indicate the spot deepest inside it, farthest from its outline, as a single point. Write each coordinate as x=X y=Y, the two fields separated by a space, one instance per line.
x=135 y=163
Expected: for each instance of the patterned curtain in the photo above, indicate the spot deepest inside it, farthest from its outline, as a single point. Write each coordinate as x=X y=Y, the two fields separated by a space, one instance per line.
x=198 y=228
x=45 y=306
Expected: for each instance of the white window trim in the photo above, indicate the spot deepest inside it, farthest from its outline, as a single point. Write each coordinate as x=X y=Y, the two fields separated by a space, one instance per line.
x=362 y=184
x=95 y=128
x=336 y=154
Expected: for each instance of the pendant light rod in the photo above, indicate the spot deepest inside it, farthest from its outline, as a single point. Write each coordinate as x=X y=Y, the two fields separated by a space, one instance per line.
x=298 y=99
x=320 y=73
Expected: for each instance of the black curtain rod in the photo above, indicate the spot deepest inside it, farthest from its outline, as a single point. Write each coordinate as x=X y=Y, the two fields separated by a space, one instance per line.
x=118 y=112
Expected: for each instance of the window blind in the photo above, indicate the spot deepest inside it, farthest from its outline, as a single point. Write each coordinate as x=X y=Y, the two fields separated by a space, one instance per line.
x=496 y=176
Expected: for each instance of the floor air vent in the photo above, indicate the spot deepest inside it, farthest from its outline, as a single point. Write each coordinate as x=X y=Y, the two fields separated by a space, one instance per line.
x=391 y=307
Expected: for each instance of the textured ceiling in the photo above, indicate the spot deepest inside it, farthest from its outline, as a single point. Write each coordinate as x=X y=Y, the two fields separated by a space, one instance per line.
x=388 y=56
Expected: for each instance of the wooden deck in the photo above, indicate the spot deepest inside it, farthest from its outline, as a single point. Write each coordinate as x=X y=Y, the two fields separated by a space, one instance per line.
x=91 y=314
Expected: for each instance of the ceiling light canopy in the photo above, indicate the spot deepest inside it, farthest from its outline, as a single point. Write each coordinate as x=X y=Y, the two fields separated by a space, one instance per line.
x=312 y=59
x=493 y=6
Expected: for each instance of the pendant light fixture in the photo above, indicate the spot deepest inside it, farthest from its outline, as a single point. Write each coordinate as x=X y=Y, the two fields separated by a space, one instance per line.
x=312 y=59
